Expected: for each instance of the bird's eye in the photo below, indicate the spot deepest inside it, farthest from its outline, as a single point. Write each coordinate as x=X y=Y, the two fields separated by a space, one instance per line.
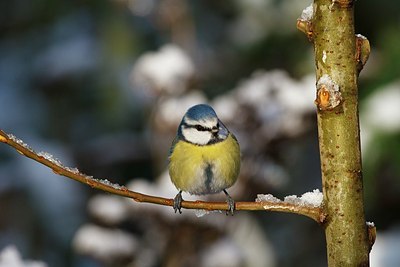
x=200 y=128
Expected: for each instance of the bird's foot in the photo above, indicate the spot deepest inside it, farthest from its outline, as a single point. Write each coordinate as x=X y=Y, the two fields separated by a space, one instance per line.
x=178 y=202
x=231 y=203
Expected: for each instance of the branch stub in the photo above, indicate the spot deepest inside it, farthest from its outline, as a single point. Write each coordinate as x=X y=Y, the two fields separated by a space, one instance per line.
x=328 y=93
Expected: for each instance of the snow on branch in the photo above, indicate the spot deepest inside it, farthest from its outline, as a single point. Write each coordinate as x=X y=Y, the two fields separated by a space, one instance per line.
x=314 y=212
x=304 y=22
x=309 y=199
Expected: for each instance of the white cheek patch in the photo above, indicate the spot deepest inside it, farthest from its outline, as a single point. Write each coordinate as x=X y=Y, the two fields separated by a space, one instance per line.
x=196 y=137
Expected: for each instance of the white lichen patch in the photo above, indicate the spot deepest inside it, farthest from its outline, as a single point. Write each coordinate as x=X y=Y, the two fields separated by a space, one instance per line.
x=324 y=56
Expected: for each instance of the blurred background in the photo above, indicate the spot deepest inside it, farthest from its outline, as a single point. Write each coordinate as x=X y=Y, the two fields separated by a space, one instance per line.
x=102 y=85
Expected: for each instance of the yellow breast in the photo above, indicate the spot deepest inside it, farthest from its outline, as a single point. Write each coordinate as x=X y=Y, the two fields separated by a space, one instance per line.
x=205 y=169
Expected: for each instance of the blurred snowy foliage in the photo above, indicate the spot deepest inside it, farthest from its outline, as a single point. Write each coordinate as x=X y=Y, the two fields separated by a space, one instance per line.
x=109 y=209
x=279 y=102
x=260 y=18
x=380 y=113
x=169 y=111
x=166 y=71
x=384 y=252
x=11 y=257
x=108 y=245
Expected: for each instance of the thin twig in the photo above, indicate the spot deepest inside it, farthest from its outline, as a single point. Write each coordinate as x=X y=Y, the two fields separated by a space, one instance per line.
x=315 y=213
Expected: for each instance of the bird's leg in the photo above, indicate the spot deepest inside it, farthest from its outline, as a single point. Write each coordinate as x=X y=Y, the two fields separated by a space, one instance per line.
x=178 y=202
x=231 y=203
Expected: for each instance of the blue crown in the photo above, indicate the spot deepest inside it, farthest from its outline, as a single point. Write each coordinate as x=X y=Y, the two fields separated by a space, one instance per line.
x=201 y=111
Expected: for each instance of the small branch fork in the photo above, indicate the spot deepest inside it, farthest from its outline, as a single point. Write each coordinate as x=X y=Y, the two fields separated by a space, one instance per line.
x=315 y=213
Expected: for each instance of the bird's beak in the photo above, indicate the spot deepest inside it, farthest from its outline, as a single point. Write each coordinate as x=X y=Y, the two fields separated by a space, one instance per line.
x=222 y=131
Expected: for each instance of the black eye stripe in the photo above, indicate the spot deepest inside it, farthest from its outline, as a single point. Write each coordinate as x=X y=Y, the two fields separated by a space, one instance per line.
x=201 y=128
x=198 y=127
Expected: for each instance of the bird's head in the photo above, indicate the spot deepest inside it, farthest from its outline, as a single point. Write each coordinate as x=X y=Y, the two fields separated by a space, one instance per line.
x=200 y=125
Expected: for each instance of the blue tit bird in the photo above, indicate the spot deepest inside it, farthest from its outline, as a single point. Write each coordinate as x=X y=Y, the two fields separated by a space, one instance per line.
x=204 y=157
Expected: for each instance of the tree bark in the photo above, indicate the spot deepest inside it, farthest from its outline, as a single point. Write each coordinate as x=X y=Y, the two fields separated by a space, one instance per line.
x=339 y=135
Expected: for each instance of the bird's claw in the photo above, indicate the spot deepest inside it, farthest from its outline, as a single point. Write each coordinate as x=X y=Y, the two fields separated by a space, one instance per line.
x=231 y=204
x=178 y=202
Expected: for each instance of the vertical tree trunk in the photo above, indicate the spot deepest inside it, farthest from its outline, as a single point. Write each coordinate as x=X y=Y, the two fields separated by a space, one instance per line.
x=338 y=129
